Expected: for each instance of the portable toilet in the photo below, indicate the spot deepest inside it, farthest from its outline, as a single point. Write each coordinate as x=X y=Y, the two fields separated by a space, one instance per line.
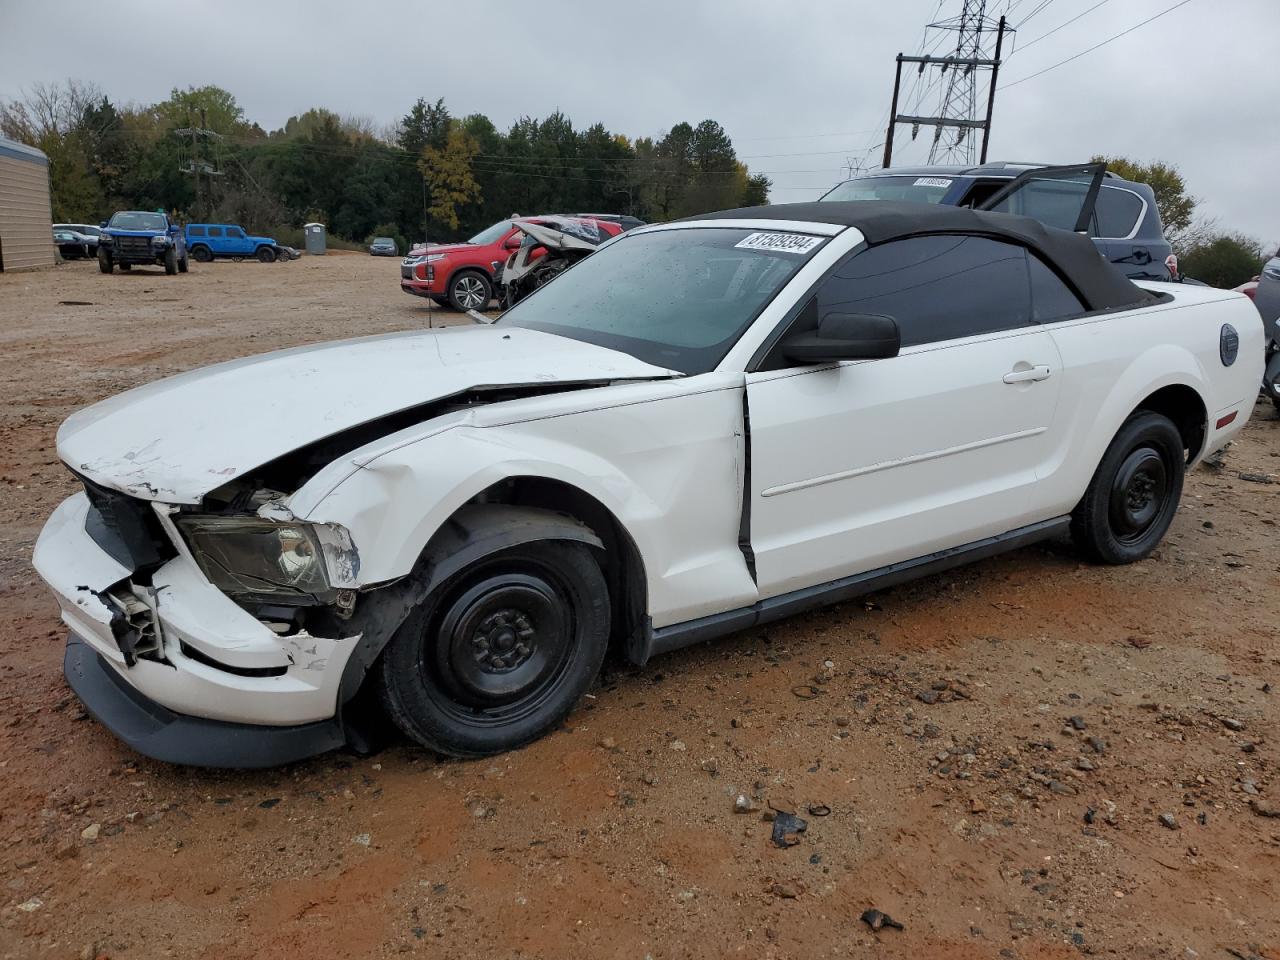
x=315 y=238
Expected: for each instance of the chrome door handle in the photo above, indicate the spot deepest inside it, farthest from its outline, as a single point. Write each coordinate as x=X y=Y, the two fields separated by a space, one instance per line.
x=1040 y=372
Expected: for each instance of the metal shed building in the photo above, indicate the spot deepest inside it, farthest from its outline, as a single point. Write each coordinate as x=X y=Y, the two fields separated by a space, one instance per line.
x=26 y=213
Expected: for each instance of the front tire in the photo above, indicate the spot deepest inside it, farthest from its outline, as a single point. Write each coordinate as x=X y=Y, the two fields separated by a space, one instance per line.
x=469 y=290
x=1134 y=493
x=500 y=653
x=104 y=261
x=266 y=255
x=171 y=261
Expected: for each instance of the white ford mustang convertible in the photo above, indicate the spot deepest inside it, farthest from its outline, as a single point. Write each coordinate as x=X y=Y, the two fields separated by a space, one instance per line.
x=703 y=426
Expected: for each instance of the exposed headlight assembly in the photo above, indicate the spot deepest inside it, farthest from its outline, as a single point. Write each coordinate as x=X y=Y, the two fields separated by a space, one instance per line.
x=268 y=560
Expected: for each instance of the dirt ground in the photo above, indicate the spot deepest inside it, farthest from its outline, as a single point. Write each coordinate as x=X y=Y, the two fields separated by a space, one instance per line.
x=985 y=755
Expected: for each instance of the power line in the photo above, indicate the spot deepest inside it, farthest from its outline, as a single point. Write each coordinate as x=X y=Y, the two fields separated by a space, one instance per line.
x=1122 y=33
x=1027 y=18
x=1060 y=26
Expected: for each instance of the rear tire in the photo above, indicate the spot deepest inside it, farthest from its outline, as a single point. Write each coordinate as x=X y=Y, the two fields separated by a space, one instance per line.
x=202 y=254
x=104 y=261
x=1134 y=493
x=266 y=255
x=500 y=653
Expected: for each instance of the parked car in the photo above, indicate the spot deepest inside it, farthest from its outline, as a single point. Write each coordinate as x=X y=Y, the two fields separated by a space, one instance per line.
x=133 y=237
x=1125 y=224
x=1266 y=298
x=384 y=247
x=703 y=426
x=88 y=233
x=462 y=275
x=72 y=245
x=1267 y=293
x=207 y=241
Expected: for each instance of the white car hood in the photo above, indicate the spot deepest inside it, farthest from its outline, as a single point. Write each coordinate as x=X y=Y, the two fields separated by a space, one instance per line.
x=177 y=439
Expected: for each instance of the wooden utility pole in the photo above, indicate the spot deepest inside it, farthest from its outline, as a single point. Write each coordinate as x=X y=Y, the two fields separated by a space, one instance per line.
x=893 y=114
x=991 y=93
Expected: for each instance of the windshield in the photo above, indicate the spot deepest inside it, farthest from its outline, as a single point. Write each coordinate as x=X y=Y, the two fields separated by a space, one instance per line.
x=674 y=298
x=138 y=221
x=915 y=189
x=384 y=241
x=491 y=234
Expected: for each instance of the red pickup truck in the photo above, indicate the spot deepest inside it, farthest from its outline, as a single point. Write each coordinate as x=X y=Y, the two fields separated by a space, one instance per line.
x=462 y=274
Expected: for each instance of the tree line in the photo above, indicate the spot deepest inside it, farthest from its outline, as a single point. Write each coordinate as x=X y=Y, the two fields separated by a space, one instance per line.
x=430 y=175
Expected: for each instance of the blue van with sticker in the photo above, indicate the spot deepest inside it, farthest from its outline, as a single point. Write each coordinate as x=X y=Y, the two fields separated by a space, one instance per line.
x=1124 y=224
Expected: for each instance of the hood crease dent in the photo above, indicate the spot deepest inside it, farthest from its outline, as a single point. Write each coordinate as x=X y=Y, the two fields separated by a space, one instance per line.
x=177 y=439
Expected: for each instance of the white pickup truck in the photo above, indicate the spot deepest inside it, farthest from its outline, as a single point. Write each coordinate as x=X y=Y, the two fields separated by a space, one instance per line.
x=703 y=426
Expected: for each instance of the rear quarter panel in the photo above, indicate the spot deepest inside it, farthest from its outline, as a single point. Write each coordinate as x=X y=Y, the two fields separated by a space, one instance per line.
x=1113 y=362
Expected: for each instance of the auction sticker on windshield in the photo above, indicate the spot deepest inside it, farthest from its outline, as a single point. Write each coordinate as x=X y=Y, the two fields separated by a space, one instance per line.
x=932 y=182
x=779 y=242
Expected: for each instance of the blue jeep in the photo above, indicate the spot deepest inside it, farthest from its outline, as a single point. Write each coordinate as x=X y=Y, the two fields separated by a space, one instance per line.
x=141 y=237
x=209 y=240
x=1119 y=215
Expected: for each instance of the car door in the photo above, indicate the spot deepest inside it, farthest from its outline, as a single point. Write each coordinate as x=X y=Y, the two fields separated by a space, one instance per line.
x=1062 y=197
x=862 y=464
x=217 y=242
x=237 y=244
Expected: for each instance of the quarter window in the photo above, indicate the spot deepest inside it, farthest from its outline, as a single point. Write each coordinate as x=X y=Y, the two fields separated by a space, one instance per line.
x=937 y=288
x=215 y=231
x=1051 y=299
x=1117 y=212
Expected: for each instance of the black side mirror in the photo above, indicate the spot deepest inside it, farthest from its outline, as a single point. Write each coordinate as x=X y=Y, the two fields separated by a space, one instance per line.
x=846 y=336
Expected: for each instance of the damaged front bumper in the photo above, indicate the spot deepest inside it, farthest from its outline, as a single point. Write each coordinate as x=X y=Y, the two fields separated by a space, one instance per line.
x=179 y=671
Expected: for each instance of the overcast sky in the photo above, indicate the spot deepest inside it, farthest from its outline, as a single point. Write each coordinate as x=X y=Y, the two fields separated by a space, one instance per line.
x=800 y=86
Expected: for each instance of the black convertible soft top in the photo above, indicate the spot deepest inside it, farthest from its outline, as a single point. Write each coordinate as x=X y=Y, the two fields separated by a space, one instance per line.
x=1100 y=285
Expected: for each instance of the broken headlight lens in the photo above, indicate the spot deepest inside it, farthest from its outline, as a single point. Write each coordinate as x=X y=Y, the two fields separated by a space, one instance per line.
x=245 y=556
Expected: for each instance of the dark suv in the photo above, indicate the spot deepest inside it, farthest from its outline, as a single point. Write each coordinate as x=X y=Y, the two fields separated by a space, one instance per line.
x=1125 y=224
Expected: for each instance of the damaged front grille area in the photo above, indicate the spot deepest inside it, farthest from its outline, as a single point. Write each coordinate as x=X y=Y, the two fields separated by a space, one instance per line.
x=126 y=528
x=133 y=623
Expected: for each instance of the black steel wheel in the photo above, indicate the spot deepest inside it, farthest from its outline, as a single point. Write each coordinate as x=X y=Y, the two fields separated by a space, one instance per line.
x=104 y=260
x=202 y=254
x=266 y=255
x=500 y=653
x=1134 y=494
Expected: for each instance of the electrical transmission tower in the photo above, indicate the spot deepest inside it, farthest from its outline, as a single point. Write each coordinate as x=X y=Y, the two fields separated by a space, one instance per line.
x=979 y=40
x=198 y=166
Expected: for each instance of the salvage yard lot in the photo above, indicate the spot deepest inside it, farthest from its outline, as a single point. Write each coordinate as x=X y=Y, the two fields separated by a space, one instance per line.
x=996 y=746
